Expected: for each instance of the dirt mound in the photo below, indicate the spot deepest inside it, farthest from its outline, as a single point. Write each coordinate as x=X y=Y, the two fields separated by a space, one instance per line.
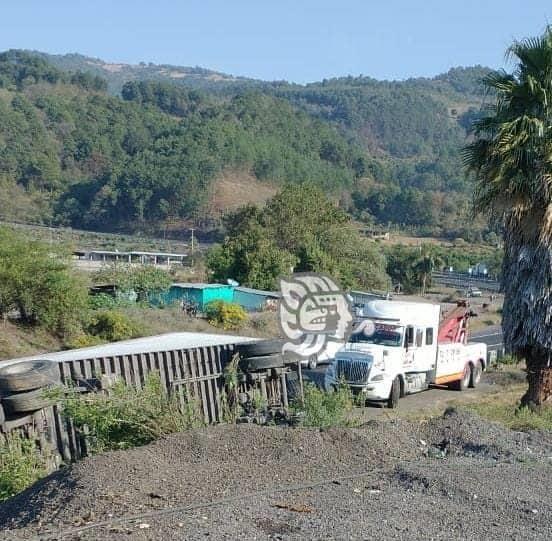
x=460 y=432
x=273 y=482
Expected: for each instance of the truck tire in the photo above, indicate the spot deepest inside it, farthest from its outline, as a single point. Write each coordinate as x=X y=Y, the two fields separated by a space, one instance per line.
x=29 y=375
x=2 y=415
x=26 y=402
x=259 y=349
x=395 y=394
x=265 y=362
x=463 y=384
x=475 y=376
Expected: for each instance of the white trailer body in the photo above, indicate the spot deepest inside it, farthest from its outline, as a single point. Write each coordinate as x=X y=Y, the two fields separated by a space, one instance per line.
x=400 y=348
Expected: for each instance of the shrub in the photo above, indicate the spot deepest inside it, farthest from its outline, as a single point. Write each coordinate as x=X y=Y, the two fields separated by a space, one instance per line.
x=227 y=315
x=20 y=465
x=144 y=280
x=112 y=325
x=37 y=282
x=126 y=417
x=325 y=409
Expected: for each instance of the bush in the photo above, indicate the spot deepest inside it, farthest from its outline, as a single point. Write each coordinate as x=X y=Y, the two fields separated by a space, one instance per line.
x=20 y=465
x=325 y=409
x=144 y=280
x=112 y=325
x=227 y=315
x=126 y=417
x=36 y=281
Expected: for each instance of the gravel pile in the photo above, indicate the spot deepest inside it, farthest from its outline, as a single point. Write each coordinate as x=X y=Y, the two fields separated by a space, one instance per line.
x=453 y=477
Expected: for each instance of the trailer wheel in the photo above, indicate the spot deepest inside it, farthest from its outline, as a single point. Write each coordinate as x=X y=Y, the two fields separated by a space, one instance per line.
x=476 y=372
x=265 y=362
x=26 y=402
x=395 y=394
x=28 y=375
x=261 y=348
x=463 y=384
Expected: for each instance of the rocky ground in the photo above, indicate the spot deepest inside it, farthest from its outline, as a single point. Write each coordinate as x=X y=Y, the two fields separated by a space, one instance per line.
x=453 y=477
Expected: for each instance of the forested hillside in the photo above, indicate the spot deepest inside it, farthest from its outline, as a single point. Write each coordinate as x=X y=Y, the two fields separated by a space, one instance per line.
x=100 y=161
x=388 y=150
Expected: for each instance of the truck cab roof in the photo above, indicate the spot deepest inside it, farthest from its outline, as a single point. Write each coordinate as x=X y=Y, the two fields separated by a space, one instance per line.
x=403 y=313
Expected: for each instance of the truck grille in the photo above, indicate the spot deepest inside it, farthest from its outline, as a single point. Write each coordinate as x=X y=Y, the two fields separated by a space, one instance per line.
x=353 y=371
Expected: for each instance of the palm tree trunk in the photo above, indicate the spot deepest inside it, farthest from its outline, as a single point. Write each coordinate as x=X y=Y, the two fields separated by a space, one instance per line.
x=539 y=379
x=526 y=314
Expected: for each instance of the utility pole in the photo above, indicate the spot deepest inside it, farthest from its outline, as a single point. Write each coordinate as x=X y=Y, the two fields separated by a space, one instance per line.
x=192 y=243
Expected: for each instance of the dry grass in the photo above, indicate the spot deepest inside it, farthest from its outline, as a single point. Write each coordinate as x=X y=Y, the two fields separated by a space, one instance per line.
x=234 y=188
x=21 y=340
x=172 y=319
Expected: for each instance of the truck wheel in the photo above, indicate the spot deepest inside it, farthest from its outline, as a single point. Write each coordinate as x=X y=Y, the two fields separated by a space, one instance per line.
x=28 y=375
x=463 y=384
x=261 y=348
x=476 y=372
x=395 y=394
x=265 y=362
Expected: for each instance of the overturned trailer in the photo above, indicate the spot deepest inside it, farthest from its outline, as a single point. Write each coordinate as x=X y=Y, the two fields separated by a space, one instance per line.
x=191 y=365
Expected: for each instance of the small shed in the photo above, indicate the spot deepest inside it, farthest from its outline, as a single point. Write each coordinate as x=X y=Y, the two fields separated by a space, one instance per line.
x=200 y=293
x=255 y=300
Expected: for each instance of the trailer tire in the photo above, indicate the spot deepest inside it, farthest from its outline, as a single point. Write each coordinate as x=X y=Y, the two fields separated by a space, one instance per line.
x=265 y=362
x=475 y=376
x=26 y=402
x=395 y=394
x=260 y=349
x=464 y=383
x=29 y=375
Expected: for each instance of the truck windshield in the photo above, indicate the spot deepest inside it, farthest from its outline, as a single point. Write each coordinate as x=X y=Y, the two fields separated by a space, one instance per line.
x=372 y=332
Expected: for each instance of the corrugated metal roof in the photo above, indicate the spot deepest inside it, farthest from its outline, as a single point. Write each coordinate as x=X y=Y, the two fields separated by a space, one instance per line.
x=275 y=294
x=149 y=344
x=199 y=285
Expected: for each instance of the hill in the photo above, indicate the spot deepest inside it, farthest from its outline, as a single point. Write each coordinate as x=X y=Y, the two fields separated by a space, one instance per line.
x=117 y=74
x=390 y=150
x=72 y=151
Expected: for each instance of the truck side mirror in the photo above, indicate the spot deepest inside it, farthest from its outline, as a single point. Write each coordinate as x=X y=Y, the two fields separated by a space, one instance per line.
x=409 y=337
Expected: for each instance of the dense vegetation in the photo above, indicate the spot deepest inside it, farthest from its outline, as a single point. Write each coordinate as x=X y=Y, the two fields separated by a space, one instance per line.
x=98 y=161
x=72 y=152
x=298 y=230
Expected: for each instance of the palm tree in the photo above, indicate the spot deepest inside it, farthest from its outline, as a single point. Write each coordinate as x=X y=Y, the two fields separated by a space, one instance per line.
x=424 y=266
x=511 y=157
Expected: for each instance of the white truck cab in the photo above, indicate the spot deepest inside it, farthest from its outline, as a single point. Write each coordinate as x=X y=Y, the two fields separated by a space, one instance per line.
x=399 y=348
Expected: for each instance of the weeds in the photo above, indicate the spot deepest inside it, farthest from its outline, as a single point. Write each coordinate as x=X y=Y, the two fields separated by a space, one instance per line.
x=229 y=395
x=126 y=417
x=506 y=410
x=325 y=409
x=20 y=465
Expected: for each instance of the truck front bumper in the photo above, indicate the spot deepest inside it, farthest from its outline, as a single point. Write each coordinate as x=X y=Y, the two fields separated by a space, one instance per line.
x=374 y=390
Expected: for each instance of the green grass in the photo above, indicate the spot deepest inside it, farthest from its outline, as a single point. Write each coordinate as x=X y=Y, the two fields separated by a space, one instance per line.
x=324 y=409
x=504 y=408
x=126 y=417
x=20 y=465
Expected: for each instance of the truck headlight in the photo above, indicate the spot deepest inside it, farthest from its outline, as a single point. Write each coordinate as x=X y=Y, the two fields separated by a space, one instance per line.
x=379 y=377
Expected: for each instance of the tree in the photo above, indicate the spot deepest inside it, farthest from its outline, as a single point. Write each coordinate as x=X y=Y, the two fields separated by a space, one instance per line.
x=144 y=280
x=35 y=281
x=511 y=158
x=300 y=229
x=427 y=262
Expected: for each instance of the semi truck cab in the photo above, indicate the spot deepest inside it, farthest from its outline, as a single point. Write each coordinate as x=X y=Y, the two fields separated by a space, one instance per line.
x=399 y=348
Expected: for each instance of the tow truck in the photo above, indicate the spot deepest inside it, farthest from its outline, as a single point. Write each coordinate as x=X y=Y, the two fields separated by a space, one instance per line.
x=400 y=348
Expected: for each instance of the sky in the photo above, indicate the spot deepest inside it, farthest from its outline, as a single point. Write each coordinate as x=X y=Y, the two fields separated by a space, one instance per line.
x=294 y=40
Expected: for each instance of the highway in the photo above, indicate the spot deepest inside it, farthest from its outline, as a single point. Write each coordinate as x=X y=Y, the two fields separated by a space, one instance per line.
x=492 y=336
x=465 y=281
